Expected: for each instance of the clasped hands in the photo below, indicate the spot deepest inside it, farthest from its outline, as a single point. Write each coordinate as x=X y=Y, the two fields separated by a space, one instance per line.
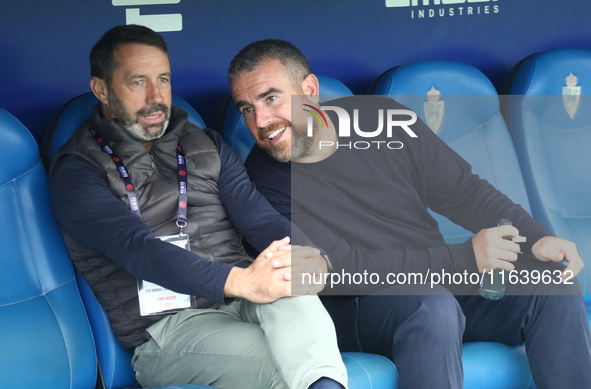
x=277 y=272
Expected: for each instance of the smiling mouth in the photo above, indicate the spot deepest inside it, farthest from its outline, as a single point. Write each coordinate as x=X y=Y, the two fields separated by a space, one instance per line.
x=153 y=118
x=275 y=133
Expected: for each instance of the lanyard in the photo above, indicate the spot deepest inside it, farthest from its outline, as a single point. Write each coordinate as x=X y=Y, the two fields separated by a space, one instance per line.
x=181 y=221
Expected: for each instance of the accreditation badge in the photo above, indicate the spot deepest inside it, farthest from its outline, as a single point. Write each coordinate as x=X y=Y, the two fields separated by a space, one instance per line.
x=155 y=299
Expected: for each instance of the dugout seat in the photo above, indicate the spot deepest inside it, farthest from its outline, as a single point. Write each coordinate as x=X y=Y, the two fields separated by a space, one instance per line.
x=365 y=371
x=45 y=337
x=461 y=105
x=235 y=132
x=549 y=116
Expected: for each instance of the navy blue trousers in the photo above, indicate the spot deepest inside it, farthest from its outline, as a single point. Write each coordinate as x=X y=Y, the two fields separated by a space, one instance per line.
x=422 y=329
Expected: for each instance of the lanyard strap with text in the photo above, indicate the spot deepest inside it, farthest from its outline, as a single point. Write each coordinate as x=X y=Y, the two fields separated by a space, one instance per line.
x=131 y=195
x=181 y=219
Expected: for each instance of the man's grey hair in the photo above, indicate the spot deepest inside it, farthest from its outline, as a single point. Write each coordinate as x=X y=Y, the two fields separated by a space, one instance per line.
x=255 y=54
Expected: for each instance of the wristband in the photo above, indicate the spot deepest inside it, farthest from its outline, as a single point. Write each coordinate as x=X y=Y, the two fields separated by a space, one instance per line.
x=329 y=267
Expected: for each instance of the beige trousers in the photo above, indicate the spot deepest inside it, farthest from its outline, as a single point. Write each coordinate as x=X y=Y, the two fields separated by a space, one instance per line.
x=289 y=343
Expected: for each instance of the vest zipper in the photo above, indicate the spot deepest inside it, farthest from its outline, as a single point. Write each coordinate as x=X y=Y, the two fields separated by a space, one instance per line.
x=153 y=163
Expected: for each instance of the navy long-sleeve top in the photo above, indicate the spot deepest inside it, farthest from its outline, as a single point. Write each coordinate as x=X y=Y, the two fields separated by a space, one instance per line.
x=368 y=207
x=84 y=205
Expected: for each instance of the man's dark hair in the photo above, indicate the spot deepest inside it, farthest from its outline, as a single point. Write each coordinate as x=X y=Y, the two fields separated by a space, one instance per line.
x=253 y=55
x=102 y=58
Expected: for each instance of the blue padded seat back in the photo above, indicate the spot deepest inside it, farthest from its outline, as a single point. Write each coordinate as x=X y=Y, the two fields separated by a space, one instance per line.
x=472 y=124
x=236 y=133
x=75 y=112
x=553 y=147
x=45 y=337
x=370 y=371
x=491 y=365
x=114 y=360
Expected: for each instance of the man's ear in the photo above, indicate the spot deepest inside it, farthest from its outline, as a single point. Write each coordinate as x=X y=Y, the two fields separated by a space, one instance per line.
x=310 y=85
x=99 y=88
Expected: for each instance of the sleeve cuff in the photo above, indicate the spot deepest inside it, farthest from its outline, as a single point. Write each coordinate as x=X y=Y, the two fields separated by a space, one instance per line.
x=220 y=283
x=463 y=256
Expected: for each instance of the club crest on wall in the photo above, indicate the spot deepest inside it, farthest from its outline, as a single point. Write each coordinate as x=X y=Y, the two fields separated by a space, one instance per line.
x=571 y=95
x=434 y=109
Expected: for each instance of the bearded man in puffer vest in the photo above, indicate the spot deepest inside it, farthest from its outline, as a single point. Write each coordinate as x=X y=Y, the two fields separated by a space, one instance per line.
x=153 y=208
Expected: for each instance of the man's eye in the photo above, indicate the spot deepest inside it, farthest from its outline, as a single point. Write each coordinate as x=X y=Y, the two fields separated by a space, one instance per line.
x=163 y=79
x=271 y=99
x=246 y=110
x=138 y=82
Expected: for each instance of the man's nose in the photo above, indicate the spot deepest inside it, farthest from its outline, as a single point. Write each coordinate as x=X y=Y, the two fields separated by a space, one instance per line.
x=262 y=117
x=154 y=94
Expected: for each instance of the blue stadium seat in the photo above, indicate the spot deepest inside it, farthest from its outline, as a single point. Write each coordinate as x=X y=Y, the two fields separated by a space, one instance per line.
x=369 y=371
x=365 y=370
x=45 y=338
x=552 y=135
x=237 y=135
x=471 y=124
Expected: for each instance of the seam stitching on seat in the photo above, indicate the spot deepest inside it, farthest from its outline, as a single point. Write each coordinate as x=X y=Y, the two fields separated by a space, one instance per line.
x=37 y=296
x=87 y=323
x=111 y=347
x=364 y=369
x=25 y=226
x=488 y=121
x=64 y=340
x=24 y=174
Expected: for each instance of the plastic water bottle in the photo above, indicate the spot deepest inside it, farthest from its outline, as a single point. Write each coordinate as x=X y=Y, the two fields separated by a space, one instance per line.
x=493 y=282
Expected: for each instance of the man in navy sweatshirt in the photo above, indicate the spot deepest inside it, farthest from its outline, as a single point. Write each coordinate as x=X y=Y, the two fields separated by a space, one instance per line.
x=153 y=208
x=368 y=210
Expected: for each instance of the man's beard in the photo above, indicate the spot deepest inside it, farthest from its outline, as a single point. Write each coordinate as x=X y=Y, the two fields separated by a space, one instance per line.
x=301 y=144
x=131 y=123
